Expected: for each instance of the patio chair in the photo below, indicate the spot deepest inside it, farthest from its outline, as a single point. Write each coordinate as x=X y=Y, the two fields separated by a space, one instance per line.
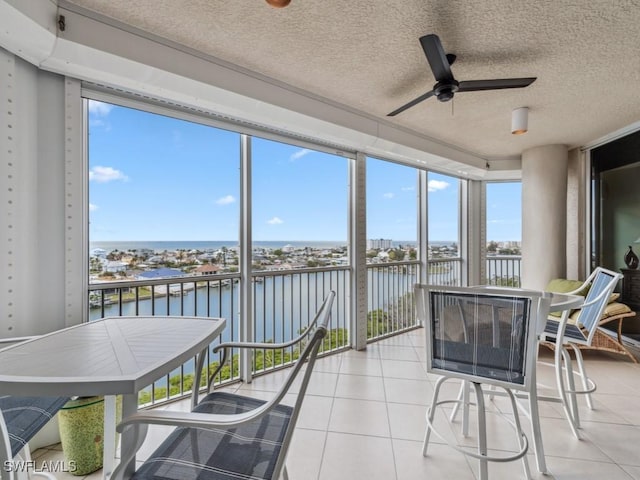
x=564 y=333
x=20 y=419
x=484 y=338
x=229 y=435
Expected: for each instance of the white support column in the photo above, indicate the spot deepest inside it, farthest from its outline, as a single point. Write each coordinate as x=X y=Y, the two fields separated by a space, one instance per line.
x=246 y=293
x=474 y=234
x=423 y=222
x=544 y=215
x=578 y=221
x=358 y=251
x=75 y=205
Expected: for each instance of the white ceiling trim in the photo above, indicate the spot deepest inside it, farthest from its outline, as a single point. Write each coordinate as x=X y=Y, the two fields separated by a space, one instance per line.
x=25 y=33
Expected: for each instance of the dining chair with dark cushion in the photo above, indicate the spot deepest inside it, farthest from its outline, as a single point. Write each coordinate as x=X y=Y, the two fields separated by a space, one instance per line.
x=227 y=435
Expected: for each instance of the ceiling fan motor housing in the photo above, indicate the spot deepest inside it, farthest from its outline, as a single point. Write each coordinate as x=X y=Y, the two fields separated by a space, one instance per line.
x=444 y=90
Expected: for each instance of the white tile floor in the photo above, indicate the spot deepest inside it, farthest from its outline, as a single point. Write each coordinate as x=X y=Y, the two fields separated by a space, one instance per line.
x=363 y=418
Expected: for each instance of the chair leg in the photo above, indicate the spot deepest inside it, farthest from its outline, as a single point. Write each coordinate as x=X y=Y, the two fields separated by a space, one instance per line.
x=431 y=412
x=463 y=398
x=482 y=448
x=465 y=409
x=483 y=463
x=571 y=387
x=25 y=456
x=560 y=356
x=456 y=407
x=583 y=375
x=520 y=436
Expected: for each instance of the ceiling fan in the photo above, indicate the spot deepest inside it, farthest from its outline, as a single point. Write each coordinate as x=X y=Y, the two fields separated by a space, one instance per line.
x=446 y=85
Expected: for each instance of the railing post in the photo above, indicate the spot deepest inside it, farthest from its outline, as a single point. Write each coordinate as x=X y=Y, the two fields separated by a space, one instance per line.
x=245 y=316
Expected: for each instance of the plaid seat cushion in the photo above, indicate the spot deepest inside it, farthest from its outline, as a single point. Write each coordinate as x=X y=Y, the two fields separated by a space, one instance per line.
x=25 y=416
x=246 y=452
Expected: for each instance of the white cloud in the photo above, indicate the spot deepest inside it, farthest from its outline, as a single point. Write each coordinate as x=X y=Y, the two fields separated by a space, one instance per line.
x=435 y=185
x=408 y=189
x=388 y=195
x=99 y=109
x=226 y=200
x=299 y=154
x=93 y=207
x=106 y=174
x=275 y=221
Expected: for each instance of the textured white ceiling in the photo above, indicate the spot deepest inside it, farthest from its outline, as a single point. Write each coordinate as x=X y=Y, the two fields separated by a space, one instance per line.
x=365 y=54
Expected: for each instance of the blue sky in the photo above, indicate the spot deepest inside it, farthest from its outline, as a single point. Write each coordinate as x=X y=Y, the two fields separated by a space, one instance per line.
x=155 y=178
x=504 y=211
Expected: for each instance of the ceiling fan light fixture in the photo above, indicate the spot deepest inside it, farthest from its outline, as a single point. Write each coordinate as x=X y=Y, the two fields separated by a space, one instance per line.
x=278 y=3
x=520 y=121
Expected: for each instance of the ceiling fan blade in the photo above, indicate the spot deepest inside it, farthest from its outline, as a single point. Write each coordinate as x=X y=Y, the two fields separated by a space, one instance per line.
x=411 y=104
x=436 y=57
x=475 y=85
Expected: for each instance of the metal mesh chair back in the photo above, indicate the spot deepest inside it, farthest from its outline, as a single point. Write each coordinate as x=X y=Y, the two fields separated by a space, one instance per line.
x=481 y=335
x=604 y=281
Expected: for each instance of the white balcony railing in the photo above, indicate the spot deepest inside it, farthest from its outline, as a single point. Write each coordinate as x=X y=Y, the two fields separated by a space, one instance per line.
x=503 y=270
x=390 y=307
x=280 y=300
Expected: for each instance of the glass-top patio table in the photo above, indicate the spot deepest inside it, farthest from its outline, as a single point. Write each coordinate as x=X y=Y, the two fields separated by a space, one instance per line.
x=112 y=356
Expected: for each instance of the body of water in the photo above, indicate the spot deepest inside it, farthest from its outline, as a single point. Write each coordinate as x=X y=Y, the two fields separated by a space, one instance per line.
x=283 y=304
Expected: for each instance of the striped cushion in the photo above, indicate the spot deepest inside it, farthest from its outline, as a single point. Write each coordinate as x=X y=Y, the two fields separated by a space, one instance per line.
x=247 y=452
x=25 y=416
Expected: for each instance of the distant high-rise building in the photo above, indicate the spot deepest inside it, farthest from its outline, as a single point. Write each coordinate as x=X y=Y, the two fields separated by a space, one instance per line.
x=379 y=243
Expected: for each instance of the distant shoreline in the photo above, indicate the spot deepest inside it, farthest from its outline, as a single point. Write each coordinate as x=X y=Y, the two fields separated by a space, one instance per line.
x=216 y=244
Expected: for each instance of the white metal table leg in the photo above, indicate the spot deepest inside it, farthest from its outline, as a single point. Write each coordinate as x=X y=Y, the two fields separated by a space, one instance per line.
x=534 y=419
x=109 y=436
